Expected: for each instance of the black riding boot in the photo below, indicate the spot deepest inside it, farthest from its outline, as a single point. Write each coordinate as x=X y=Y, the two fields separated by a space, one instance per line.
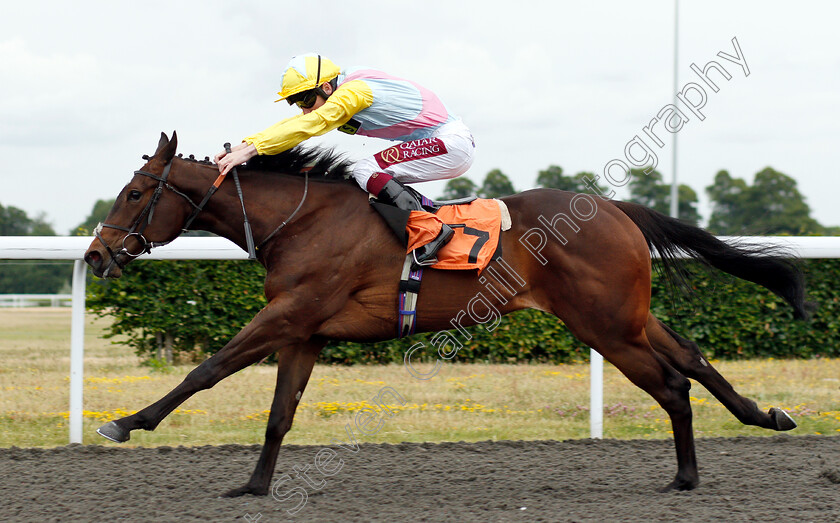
x=398 y=195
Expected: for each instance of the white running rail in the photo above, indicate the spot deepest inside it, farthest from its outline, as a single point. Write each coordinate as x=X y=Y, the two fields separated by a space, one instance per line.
x=35 y=300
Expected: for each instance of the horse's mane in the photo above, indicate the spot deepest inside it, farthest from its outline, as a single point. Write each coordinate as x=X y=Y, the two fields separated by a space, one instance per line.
x=321 y=164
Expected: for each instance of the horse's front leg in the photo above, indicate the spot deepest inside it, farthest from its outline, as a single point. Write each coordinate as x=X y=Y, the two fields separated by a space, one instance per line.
x=270 y=329
x=294 y=367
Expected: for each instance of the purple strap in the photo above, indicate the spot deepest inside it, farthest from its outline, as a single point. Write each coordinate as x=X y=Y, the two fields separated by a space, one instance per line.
x=411 y=314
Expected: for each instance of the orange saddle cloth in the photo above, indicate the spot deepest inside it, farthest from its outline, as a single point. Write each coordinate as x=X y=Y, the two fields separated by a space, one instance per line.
x=477 y=227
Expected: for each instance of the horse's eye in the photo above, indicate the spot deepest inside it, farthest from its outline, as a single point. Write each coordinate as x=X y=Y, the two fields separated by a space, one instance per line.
x=134 y=196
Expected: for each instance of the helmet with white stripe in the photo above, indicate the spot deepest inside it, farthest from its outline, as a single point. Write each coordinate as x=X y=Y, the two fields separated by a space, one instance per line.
x=306 y=72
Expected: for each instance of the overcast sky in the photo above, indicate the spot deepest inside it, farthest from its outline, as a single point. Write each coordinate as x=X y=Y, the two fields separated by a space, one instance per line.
x=87 y=87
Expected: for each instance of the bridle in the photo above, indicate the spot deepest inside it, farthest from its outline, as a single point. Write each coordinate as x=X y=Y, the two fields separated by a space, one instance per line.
x=139 y=226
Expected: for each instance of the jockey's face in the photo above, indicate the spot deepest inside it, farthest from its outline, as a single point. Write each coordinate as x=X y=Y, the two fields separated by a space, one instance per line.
x=319 y=100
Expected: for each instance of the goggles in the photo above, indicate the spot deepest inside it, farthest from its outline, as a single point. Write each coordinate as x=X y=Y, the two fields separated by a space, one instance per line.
x=306 y=99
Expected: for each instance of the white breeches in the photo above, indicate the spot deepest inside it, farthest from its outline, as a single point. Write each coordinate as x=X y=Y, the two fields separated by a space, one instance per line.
x=448 y=153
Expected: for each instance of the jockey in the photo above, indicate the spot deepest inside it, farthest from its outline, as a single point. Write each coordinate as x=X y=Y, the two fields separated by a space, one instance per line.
x=434 y=143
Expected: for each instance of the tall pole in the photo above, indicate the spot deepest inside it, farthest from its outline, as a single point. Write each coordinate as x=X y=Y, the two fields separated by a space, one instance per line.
x=77 y=351
x=674 y=197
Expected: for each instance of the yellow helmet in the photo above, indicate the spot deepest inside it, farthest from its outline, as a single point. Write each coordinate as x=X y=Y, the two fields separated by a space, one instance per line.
x=305 y=72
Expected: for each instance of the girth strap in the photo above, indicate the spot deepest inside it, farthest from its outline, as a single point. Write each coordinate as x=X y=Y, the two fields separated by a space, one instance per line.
x=408 y=290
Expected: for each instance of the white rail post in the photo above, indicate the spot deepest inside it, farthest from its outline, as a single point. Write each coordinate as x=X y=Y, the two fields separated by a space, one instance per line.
x=77 y=350
x=596 y=395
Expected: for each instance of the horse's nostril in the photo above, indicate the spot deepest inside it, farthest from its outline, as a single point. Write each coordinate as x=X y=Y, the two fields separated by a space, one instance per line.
x=94 y=259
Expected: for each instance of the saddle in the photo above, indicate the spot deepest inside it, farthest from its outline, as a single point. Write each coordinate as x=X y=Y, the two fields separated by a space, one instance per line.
x=477 y=224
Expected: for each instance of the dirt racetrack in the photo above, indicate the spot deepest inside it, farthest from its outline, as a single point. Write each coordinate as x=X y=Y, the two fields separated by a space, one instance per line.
x=781 y=478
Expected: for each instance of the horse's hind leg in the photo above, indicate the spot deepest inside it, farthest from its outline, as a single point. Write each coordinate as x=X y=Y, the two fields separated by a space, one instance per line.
x=650 y=372
x=685 y=356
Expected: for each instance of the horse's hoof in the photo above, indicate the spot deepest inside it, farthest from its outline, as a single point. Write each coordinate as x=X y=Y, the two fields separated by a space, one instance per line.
x=114 y=432
x=680 y=484
x=241 y=491
x=782 y=419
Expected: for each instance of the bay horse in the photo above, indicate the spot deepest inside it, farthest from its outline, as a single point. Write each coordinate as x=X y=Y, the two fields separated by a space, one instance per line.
x=332 y=271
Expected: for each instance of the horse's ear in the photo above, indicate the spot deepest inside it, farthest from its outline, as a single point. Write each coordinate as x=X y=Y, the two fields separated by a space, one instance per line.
x=166 y=147
x=163 y=142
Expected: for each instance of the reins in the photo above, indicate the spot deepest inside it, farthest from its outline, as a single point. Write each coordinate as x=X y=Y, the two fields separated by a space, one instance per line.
x=249 y=238
x=139 y=226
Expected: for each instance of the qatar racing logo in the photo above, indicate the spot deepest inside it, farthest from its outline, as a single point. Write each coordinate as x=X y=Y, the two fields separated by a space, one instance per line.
x=414 y=150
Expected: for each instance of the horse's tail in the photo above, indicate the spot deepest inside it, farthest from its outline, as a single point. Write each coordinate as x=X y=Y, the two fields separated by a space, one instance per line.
x=770 y=267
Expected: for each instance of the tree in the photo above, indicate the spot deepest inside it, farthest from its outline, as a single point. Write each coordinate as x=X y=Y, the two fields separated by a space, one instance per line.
x=15 y=222
x=30 y=276
x=686 y=204
x=168 y=308
x=554 y=178
x=458 y=188
x=496 y=184
x=772 y=205
x=650 y=191
x=728 y=200
x=582 y=182
x=97 y=214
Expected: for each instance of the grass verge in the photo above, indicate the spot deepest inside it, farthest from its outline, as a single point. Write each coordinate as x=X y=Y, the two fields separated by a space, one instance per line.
x=463 y=402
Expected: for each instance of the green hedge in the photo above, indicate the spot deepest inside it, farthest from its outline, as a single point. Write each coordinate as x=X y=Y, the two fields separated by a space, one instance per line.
x=204 y=303
x=732 y=319
x=729 y=318
x=524 y=336
x=200 y=304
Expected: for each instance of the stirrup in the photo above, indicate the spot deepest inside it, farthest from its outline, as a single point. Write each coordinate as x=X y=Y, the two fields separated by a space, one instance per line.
x=424 y=263
x=442 y=239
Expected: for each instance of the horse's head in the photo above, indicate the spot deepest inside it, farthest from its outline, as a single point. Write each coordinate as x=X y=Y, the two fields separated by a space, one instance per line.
x=147 y=212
